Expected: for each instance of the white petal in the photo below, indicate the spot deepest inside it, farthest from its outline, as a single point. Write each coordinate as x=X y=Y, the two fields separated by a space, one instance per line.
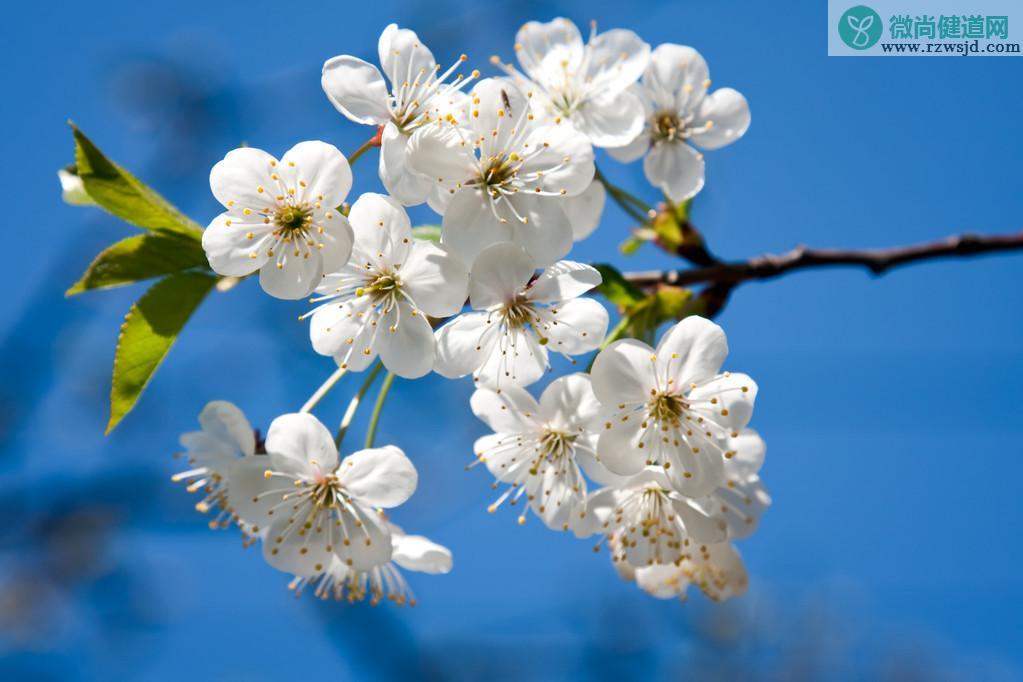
x=505 y=457
x=661 y=581
x=435 y=279
x=692 y=351
x=228 y=248
x=225 y=422
x=464 y=344
x=618 y=447
x=750 y=450
x=600 y=505
x=559 y=159
x=675 y=168
x=379 y=477
x=508 y=411
x=405 y=342
x=300 y=444
x=617 y=59
x=303 y=554
x=676 y=78
x=569 y=404
x=383 y=233
x=546 y=233
x=723 y=117
x=417 y=553
x=470 y=225
x=547 y=51
x=575 y=326
x=401 y=181
x=613 y=119
x=440 y=153
x=403 y=57
x=499 y=273
x=564 y=280
x=633 y=150
x=236 y=179
x=733 y=395
x=322 y=168
x=344 y=331
x=369 y=545
x=700 y=525
x=499 y=106
x=744 y=501
x=251 y=495
x=623 y=373
x=356 y=89
x=291 y=277
x=517 y=358
x=584 y=210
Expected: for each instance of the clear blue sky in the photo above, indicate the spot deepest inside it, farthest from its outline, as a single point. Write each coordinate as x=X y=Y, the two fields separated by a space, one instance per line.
x=891 y=406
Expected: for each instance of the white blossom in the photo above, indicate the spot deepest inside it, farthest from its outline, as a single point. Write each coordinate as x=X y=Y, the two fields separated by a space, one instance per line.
x=411 y=552
x=226 y=436
x=672 y=407
x=502 y=174
x=587 y=85
x=716 y=570
x=516 y=318
x=682 y=112
x=378 y=302
x=311 y=509
x=419 y=93
x=541 y=449
x=281 y=217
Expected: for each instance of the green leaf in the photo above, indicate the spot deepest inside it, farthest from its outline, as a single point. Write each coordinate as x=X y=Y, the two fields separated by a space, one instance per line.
x=430 y=233
x=616 y=289
x=124 y=195
x=141 y=257
x=149 y=330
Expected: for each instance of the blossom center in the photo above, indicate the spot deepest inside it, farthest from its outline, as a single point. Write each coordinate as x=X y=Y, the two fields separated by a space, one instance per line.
x=669 y=127
x=554 y=446
x=293 y=220
x=518 y=312
x=668 y=408
x=498 y=171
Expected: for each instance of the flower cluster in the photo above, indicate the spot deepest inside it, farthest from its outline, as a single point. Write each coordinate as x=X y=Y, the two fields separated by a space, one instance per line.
x=649 y=449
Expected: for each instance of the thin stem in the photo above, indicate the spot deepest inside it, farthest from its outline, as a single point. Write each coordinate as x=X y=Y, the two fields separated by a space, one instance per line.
x=366 y=146
x=612 y=336
x=637 y=209
x=353 y=404
x=323 y=390
x=374 y=419
x=878 y=261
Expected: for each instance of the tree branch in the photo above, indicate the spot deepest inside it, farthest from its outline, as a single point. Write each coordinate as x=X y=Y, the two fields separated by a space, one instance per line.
x=878 y=261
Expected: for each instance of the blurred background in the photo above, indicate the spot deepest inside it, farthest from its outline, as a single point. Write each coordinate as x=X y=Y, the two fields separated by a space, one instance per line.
x=891 y=406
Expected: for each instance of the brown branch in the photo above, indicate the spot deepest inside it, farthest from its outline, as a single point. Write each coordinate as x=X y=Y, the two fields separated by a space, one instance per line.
x=877 y=261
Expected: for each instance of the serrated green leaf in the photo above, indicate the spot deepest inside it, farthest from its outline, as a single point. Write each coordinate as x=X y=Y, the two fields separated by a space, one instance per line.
x=430 y=233
x=141 y=257
x=149 y=330
x=124 y=195
x=615 y=288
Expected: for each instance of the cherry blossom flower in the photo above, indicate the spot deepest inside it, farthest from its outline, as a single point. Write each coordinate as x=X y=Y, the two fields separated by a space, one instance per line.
x=647 y=522
x=411 y=552
x=681 y=112
x=516 y=319
x=671 y=407
x=742 y=498
x=378 y=302
x=312 y=509
x=541 y=449
x=281 y=217
x=502 y=175
x=588 y=85
x=716 y=570
x=419 y=94
x=226 y=436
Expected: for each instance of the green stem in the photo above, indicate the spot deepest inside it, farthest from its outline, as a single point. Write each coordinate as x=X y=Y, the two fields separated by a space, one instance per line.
x=353 y=404
x=374 y=420
x=637 y=209
x=323 y=390
x=612 y=336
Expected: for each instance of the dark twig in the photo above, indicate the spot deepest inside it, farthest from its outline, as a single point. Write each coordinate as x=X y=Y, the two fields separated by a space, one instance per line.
x=877 y=261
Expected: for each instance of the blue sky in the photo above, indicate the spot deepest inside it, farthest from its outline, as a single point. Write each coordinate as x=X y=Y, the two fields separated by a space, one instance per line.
x=890 y=406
